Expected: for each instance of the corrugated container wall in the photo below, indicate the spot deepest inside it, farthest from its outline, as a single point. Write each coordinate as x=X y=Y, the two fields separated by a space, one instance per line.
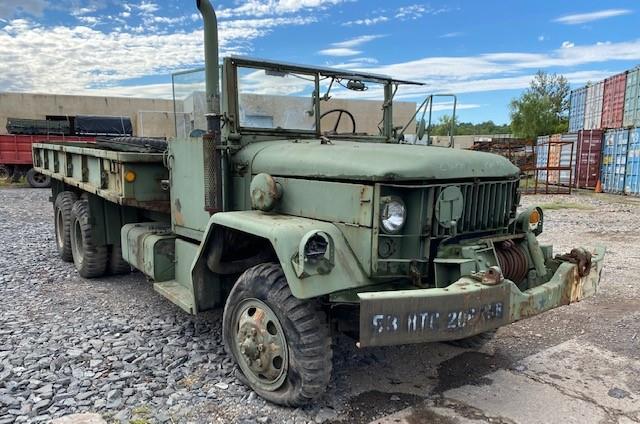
x=593 y=106
x=632 y=99
x=613 y=101
x=576 y=109
x=553 y=161
x=632 y=180
x=589 y=151
x=542 y=156
x=568 y=158
x=614 y=160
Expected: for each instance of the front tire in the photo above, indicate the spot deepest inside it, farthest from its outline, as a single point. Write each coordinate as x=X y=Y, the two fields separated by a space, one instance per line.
x=281 y=343
x=63 y=219
x=90 y=259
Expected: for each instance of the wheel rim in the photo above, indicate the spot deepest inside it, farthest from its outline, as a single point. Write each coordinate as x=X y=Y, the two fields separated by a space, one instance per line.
x=59 y=228
x=39 y=178
x=78 y=247
x=260 y=345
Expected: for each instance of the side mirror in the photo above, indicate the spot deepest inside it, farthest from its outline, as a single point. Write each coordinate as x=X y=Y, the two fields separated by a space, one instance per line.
x=421 y=129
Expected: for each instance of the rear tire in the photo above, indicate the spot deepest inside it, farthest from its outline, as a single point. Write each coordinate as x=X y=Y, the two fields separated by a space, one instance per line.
x=5 y=173
x=474 y=342
x=63 y=220
x=281 y=343
x=90 y=259
x=117 y=265
x=38 y=180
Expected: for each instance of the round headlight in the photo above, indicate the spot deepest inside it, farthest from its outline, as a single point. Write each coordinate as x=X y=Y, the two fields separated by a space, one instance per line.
x=392 y=215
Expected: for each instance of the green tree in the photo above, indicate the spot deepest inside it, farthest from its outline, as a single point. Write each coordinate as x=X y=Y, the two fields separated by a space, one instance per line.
x=542 y=108
x=467 y=128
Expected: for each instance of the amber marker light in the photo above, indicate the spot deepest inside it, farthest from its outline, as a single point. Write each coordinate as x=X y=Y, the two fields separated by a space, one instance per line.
x=130 y=176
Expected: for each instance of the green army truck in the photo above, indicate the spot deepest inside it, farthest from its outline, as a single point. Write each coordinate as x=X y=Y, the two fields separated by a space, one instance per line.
x=300 y=220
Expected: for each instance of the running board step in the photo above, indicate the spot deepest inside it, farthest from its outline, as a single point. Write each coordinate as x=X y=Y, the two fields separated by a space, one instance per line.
x=176 y=293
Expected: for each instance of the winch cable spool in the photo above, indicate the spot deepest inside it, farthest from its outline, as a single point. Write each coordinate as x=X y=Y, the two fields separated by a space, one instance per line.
x=512 y=261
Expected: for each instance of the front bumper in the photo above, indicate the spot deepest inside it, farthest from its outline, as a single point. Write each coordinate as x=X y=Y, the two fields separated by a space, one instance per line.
x=467 y=307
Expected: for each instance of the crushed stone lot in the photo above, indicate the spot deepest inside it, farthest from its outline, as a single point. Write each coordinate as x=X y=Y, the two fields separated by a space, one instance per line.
x=114 y=346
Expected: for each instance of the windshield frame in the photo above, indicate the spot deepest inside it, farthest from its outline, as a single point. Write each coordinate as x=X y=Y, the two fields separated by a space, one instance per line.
x=231 y=104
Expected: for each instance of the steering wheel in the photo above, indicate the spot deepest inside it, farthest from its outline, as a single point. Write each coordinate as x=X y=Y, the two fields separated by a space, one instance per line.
x=337 y=124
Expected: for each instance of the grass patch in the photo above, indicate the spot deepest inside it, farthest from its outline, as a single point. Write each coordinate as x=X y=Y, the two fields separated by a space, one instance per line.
x=555 y=206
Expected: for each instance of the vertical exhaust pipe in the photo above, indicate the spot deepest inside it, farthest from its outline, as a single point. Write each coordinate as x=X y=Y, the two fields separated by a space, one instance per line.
x=212 y=75
x=214 y=153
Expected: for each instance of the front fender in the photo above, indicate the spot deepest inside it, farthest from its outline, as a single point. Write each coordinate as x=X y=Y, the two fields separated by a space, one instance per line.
x=285 y=234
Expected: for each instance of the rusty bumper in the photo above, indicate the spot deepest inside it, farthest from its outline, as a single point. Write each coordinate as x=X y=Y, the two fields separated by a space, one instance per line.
x=467 y=307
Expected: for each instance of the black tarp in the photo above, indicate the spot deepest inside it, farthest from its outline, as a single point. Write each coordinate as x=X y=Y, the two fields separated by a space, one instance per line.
x=103 y=125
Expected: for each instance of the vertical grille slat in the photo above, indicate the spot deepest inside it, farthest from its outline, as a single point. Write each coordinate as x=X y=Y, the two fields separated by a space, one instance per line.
x=486 y=206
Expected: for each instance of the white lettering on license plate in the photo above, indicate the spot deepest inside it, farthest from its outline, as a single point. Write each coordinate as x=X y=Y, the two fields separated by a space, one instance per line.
x=431 y=321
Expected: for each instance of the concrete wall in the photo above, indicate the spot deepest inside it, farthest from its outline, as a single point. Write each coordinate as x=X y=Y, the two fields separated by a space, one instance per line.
x=150 y=117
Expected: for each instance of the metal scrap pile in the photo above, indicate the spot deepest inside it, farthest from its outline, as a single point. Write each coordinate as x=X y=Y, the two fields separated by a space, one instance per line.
x=519 y=151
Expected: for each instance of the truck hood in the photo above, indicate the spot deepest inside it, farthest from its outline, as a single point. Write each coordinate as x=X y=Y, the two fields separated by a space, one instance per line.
x=349 y=160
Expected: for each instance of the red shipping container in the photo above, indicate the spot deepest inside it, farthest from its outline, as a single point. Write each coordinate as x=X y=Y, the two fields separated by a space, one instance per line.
x=613 y=101
x=588 y=158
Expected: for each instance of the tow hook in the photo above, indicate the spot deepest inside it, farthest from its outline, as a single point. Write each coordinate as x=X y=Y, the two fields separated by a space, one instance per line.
x=580 y=257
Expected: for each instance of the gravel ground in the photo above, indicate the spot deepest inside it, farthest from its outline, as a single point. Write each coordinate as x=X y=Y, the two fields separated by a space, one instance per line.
x=114 y=346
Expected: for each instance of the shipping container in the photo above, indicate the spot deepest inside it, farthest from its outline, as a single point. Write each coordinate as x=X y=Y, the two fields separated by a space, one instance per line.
x=553 y=161
x=589 y=152
x=632 y=99
x=632 y=179
x=593 y=106
x=567 y=158
x=576 y=109
x=614 y=160
x=16 y=149
x=542 y=155
x=613 y=101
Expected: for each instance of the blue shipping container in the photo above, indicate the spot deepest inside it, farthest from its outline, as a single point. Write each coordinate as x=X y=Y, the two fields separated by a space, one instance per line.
x=576 y=109
x=614 y=160
x=632 y=180
x=542 y=157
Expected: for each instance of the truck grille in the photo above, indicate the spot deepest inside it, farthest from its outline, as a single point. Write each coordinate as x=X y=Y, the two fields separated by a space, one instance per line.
x=487 y=206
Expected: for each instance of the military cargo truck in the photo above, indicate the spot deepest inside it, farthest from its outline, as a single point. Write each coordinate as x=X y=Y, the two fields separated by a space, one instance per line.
x=300 y=225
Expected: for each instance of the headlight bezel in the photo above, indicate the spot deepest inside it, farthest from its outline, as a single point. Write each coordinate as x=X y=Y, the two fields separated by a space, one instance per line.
x=385 y=202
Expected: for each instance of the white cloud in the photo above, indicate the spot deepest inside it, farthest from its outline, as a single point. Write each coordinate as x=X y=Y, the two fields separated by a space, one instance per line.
x=146 y=7
x=367 y=21
x=581 y=18
x=411 y=12
x=540 y=37
x=567 y=44
x=451 y=35
x=339 y=52
x=357 y=41
x=346 y=47
x=9 y=8
x=30 y=54
x=258 y=8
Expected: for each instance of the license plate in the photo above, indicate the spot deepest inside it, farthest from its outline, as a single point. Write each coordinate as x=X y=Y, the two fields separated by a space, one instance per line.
x=414 y=316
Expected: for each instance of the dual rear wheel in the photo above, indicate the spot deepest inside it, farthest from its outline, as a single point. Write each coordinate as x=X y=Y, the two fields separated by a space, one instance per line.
x=76 y=241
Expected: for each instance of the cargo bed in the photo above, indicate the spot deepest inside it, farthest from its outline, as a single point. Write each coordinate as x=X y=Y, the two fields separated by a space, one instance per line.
x=138 y=180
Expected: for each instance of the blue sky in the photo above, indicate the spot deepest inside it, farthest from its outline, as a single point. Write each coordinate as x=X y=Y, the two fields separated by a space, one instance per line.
x=484 y=51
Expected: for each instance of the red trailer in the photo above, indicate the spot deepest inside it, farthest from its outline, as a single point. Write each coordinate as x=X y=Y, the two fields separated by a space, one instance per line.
x=15 y=156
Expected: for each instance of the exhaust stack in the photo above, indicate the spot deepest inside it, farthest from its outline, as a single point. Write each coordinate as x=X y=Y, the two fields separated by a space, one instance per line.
x=214 y=152
x=212 y=76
